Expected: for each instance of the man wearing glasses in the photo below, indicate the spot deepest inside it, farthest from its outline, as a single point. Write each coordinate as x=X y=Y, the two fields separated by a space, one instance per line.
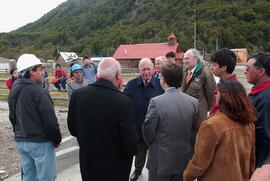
x=198 y=82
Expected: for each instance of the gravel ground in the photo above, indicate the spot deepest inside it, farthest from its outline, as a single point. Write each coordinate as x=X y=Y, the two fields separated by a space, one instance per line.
x=9 y=159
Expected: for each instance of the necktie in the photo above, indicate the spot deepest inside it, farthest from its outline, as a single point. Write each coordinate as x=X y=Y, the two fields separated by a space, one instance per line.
x=146 y=83
x=189 y=75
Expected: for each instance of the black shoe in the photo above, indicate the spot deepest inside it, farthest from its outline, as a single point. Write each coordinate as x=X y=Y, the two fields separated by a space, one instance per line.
x=135 y=175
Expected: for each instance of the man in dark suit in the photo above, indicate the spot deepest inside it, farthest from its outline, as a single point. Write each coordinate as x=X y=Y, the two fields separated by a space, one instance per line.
x=141 y=89
x=102 y=119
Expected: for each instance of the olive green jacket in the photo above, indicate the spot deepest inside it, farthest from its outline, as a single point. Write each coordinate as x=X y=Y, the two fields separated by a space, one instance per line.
x=201 y=86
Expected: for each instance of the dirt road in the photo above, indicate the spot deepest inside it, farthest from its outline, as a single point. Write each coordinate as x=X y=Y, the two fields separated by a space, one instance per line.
x=9 y=159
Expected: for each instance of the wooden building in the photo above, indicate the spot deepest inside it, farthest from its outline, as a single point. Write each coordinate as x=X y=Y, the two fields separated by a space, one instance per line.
x=65 y=58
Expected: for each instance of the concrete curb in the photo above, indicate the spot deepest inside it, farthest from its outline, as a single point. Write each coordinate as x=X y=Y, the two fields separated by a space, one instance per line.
x=67 y=155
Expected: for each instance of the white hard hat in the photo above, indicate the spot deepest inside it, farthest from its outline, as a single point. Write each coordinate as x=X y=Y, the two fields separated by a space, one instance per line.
x=26 y=61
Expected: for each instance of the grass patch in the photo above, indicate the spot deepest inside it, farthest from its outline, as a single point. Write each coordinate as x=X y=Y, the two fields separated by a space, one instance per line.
x=61 y=103
x=58 y=94
x=4 y=75
x=4 y=91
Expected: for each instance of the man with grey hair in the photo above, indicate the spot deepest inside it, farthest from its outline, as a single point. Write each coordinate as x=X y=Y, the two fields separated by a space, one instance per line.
x=198 y=82
x=140 y=90
x=102 y=120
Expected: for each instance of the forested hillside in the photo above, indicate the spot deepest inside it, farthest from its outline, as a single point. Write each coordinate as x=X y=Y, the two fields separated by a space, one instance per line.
x=98 y=27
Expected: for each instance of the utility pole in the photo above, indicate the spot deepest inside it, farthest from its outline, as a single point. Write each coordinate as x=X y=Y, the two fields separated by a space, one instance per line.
x=195 y=34
x=195 y=25
x=217 y=43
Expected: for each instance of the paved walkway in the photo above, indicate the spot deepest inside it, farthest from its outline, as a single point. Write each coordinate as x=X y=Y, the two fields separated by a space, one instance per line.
x=73 y=174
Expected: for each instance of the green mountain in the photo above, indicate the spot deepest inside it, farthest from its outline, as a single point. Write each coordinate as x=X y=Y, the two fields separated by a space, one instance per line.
x=98 y=27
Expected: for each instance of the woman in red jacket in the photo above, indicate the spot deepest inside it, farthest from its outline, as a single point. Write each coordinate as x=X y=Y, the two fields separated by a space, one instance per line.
x=14 y=75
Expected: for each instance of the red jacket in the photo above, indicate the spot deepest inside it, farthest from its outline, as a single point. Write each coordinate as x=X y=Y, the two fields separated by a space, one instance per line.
x=60 y=73
x=9 y=83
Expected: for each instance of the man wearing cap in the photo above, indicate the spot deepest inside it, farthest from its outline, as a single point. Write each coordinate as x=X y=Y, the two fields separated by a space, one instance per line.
x=77 y=81
x=34 y=121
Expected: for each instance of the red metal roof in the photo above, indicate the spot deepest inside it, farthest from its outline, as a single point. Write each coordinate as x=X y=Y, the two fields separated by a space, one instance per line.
x=139 y=51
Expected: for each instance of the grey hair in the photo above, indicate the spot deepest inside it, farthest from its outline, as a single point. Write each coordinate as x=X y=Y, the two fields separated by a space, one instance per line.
x=146 y=59
x=196 y=54
x=161 y=58
x=108 y=68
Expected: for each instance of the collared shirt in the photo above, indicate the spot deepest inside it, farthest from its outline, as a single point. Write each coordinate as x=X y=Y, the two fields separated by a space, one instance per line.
x=169 y=88
x=146 y=82
x=193 y=70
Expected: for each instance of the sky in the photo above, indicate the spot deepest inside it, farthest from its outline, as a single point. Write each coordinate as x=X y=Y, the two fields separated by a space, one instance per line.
x=17 y=13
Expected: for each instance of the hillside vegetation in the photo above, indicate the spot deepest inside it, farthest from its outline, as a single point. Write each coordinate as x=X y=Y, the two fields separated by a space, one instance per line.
x=98 y=27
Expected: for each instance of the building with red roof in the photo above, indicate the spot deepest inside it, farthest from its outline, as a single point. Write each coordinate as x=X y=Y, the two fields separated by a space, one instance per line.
x=130 y=55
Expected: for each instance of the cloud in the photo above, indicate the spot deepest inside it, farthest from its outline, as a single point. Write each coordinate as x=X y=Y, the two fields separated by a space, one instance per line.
x=17 y=13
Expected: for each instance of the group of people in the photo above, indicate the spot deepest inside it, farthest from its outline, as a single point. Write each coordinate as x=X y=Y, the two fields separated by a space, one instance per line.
x=80 y=76
x=191 y=127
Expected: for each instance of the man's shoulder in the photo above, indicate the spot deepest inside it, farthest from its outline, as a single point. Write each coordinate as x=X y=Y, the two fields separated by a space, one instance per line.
x=86 y=81
x=133 y=81
x=265 y=95
x=132 y=84
x=267 y=92
x=157 y=86
x=193 y=99
x=185 y=97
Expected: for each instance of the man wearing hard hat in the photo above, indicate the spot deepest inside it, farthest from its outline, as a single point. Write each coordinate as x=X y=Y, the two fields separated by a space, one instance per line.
x=78 y=80
x=34 y=121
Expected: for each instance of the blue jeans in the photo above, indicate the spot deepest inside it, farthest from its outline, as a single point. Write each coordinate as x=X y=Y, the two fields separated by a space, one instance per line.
x=61 y=82
x=38 y=160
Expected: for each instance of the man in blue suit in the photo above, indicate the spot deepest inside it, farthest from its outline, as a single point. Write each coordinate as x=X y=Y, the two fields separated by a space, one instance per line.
x=140 y=90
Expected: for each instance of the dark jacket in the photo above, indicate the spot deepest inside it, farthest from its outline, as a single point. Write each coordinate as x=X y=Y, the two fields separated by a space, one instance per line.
x=202 y=86
x=32 y=113
x=260 y=96
x=141 y=96
x=102 y=119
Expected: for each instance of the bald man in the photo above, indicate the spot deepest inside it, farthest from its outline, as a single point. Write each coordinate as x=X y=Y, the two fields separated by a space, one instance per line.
x=102 y=120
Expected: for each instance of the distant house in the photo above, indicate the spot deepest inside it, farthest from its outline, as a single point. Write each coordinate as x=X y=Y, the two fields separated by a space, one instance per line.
x=6 y=64
x=129 y=55
x=65 y=58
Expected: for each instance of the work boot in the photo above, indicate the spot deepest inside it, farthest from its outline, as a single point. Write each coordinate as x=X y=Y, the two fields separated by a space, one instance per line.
x=135 y=175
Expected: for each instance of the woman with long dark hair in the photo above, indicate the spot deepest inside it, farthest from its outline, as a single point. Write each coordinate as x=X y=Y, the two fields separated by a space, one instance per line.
x=225 y=145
